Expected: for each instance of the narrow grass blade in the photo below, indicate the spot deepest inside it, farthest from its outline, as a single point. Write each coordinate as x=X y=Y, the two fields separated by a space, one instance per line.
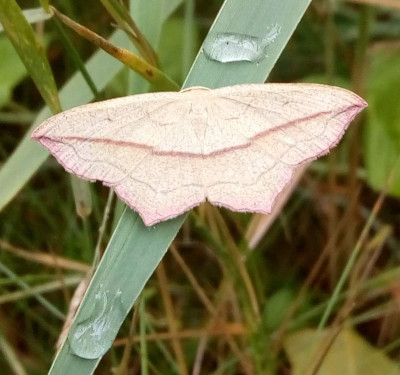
x=30 y=51
x=23 y=285
x=135 y=250
x=143 y=343
x=11 y=357
x=38 y=290
x=123 y=19
x=132 y=60
x=73 y=53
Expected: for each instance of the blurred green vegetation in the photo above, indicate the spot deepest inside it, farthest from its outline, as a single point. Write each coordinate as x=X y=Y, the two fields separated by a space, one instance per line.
x=294 y=268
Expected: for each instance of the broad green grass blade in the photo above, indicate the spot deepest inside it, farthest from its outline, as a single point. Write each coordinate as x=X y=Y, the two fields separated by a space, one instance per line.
x=250 y=18
x=135 y=250
x=188 y=36
x=29 y=156
x=31 y=52
x=12 y=71
x=151 y=29
x=132 y=255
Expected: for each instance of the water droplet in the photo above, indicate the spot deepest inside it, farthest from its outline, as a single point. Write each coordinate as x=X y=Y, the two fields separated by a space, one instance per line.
x=230 y=47
x=94 y=334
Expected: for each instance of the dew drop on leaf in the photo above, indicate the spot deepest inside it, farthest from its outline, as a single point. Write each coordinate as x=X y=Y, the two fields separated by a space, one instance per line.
x=231 y=47
x=94 y=335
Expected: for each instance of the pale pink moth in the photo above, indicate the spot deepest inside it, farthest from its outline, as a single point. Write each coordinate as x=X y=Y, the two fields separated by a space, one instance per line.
x=165 y=153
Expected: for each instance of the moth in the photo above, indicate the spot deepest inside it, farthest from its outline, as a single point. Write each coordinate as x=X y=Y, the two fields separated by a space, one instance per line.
x=165 y=153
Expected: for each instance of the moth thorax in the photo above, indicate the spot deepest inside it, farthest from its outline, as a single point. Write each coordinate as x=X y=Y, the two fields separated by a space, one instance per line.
x=198 y=120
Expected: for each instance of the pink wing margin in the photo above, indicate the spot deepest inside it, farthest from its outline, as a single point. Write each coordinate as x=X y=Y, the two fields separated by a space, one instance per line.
x=287 y=125
x=278 y=127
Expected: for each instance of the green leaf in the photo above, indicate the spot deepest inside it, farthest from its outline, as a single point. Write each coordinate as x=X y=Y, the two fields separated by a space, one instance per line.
x=30 y=51
x=11 y=70
x=135 y=250
x=172 y=39
x=382 y=129
x=349 y=354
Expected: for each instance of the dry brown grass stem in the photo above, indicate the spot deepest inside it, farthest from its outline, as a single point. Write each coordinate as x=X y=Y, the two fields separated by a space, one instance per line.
x=52 y=260
x=395 y=4
x=239 y=261
x=214 y=312
x=232 y=329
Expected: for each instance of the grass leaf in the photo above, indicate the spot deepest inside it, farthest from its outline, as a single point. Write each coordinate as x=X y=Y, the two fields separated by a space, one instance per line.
x=31 y=52
x=12 y=71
